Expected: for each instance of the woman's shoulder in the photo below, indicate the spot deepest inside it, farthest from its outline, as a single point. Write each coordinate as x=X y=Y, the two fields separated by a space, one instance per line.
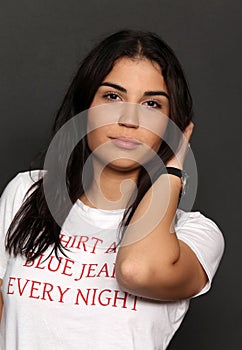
x=28 y=177
x=25 y=178
x=198 y=224
x=194 y=218
x=203 y=236
x=19 y=185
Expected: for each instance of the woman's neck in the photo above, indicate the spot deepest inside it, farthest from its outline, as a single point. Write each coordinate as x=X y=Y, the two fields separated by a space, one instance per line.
x=110 y=188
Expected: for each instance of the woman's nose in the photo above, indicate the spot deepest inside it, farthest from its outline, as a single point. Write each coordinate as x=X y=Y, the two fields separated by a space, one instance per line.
x=129 y=115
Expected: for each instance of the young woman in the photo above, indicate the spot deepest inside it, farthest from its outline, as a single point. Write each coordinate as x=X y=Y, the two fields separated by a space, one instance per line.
x=117 y=267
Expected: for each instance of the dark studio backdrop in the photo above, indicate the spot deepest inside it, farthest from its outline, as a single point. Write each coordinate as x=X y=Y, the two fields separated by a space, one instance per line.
x=42 y=43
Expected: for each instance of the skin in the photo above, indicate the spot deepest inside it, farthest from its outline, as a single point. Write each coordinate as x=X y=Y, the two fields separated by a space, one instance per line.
x=151 y=261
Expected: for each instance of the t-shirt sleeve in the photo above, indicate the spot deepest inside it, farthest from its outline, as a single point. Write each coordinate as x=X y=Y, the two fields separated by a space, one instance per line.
x=10 y=202
x=204 y=237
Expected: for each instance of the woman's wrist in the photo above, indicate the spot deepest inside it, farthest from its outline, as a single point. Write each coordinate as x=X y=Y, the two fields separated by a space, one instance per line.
x=181 y=176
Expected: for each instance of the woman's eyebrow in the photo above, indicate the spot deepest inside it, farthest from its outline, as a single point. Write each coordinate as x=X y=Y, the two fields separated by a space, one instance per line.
x=147 y=93
x=115 y=86
x=155 y=93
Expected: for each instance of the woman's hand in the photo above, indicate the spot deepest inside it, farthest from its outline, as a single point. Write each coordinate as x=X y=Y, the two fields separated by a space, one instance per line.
x=178 y=160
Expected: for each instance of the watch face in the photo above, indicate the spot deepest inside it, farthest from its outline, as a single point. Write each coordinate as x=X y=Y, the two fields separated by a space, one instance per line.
x=184 y=178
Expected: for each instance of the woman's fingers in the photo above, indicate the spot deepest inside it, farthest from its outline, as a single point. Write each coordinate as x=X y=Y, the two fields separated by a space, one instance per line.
x=179 y=158
x=188 y=131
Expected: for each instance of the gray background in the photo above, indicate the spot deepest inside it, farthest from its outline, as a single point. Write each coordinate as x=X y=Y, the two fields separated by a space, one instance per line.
x=41 y=44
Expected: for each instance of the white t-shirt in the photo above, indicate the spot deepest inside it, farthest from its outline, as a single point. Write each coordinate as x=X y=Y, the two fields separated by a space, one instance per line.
x=76 y=303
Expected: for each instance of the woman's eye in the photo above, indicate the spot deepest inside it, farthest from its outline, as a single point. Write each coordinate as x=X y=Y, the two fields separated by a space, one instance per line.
x=112 y=97
x=153 y=104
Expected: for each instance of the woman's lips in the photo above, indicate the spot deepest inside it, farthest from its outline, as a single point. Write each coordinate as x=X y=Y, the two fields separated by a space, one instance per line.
x=125 y=142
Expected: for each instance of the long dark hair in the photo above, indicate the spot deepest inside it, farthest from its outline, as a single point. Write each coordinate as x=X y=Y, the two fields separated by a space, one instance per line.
x=34 y=229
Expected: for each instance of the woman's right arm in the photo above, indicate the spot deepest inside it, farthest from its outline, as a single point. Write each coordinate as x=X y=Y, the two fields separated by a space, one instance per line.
x=1 y=301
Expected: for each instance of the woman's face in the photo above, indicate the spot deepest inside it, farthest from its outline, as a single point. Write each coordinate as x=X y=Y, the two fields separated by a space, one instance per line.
x=130 y=116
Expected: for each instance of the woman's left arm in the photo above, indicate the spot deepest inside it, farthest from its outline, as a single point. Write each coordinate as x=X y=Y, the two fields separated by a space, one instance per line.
x=152 y=262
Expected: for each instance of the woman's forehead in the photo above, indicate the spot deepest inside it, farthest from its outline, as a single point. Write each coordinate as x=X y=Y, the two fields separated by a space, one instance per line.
x=140 y=73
